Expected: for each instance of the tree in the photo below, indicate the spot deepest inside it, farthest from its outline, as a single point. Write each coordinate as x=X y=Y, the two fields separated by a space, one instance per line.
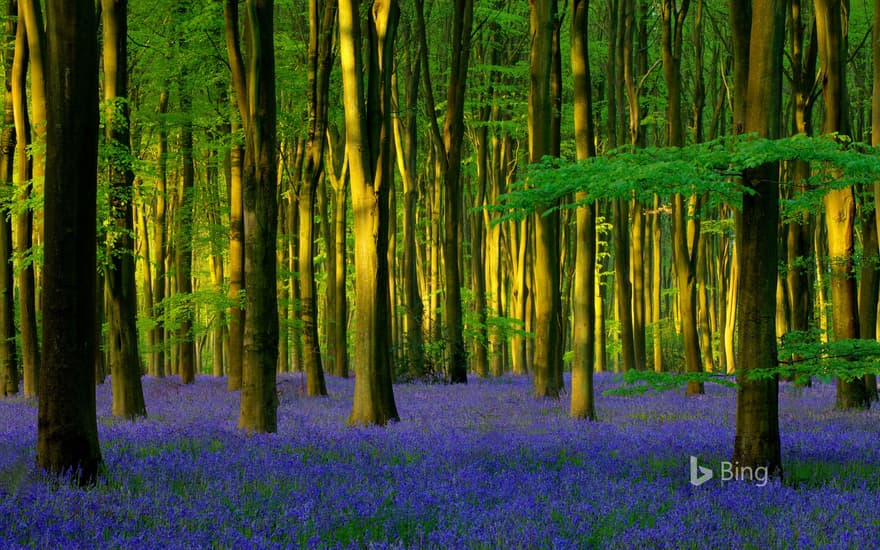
x=840 y=205
x=67 y=429
x=756 y=442
x=686 y=232
x=449 y=155
x=121 y=309
x=30 y=171
x=321 y=19
x=584 y=301
x=8 y=354
x=369 y=160
x=255 y=93
x=548 y=306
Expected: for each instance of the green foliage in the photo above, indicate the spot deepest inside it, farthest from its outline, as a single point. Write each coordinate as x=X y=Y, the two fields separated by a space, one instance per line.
x=637 y=382
x=711 y=168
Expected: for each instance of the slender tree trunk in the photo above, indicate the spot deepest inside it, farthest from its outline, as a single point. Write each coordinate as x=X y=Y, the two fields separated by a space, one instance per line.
x=320 y=64
x=449 y=147
x=875 y=140
x=30 y=167
x=547 y=299
x=584 y=296
x=339 y=322
x=121 y=311
x=407 y=135
x=236 y=266
x=67 y=430
x=869 y=290
x=8 y=353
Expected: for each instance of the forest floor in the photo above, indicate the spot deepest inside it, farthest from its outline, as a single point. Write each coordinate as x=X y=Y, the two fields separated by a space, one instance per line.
x=479 y=466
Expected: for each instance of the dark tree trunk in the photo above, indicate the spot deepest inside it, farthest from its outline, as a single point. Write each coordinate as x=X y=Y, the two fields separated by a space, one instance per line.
x=67 y=430
x=756 y=442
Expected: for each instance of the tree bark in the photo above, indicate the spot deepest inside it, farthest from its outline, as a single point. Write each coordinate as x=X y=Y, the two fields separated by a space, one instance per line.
x=756 y=442
x=840 y=207
x=29 y=56
x=121 y=309
x=255 y=92
x=584 y=295
x=67 y=430
x=547 y=299
x=9 y=379
x=369 y=166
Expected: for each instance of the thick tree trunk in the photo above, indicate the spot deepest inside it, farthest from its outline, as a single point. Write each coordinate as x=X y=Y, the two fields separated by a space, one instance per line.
x=547 y=299
x=840 y=207
x=121 y=310
x=255 y=91
x=67 y=431
x=369 y=164
x=756 y=442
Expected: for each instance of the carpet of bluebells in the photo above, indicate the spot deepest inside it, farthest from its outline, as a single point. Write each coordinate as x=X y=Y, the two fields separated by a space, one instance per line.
x=479 y=466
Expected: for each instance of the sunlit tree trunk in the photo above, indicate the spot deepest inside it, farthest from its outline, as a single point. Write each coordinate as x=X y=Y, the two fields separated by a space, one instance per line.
x=338 y=176
x=121 y=309
x=584 y=296
x=406 y=137
x=756 y=442
x=30 y=172
x=160 y=244
x=67 y=430
x=236 y=266
x=8 y=352
x=369 y=166
x=254 y=83
x=840 y=207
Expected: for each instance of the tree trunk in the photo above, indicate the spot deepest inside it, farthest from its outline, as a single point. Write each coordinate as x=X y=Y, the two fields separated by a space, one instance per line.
x=547 y=299
x=369 y=165
x=121 y=311
x=584 y=296
x=255 y=91
x=320 y=65
x=67 y=430
x=869 y=290
x=8 y=353
x=839 y=203
x=756 y=442
x=28 y=55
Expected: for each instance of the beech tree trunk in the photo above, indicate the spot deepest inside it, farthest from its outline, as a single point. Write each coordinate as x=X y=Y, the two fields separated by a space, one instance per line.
x=8 y=353
x=67 y=429
x=756 y=442
x=255 y=93
x=121 y=309
x=584 y=295
x=840 y=206
x=369 y=147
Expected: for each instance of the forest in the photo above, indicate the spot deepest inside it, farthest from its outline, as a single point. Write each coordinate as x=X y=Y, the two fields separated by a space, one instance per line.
x=466 y=273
